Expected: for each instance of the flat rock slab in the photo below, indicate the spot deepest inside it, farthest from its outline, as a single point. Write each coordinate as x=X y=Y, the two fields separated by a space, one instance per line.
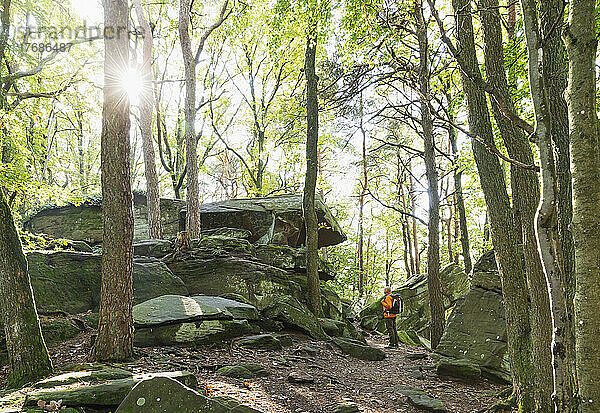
x=261 y=341
x=295 y=315
x=238 y=310
x=192 y=334
x=298 y=377
x=152 y=248
x=163 y=394
x=462 y=369
x=359 y=350
x=243 y=371
x=109 y=393
x=174 y=309
x=84 y=376
x=346 y=408
x=420 y=399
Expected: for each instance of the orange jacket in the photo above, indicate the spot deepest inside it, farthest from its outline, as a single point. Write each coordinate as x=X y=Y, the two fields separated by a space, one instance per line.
x=387 y=303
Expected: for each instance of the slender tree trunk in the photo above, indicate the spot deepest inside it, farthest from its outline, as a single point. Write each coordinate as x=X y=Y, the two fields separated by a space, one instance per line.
x=554 y=77
x=27 y=354
x=413 y=210
x=115 y=329
x=503 y=231
x=526 y=196
x=81 y=154
x=191 y=145
x=458 y=193
x=547 y=217
x=434 y=286
x=581 y=44
x=146 y=108
x=310 y=183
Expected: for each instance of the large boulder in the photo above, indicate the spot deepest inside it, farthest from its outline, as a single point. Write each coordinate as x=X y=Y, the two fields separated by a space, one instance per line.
x=162 y=394
x=174 y=309
x=69 y=281
x=83 y=222
x=415 y=299
x=341 y=328
x=291 y=259
x=274 y=220
x=156 y=248
x=101 y=395
x=192 y=334
x=359 y=349
x=476 y=329
x=294 y=315
x=238 y=310
x=210 y=272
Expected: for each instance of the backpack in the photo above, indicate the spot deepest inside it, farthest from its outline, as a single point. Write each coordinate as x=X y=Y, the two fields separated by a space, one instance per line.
x=396 y=304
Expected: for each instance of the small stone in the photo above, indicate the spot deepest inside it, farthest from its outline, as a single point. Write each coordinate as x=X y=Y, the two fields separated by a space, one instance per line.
x=300 y=378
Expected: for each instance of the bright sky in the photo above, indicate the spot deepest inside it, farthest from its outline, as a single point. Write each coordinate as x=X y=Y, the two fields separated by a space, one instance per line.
x=89 y=10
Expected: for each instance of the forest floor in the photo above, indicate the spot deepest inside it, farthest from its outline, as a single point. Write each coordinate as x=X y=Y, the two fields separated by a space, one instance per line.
x=337 y=377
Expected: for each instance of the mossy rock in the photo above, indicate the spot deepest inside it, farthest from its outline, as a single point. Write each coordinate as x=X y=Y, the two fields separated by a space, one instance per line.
x=237 y=309
x=209 y=273
x=67 y=281
x=243 y=371
x=222 y=243
x=476 y=328
x=295 y=315
x=420 y=399
x=359 y=350
x=234 y=405
x=157 y=248
x=105 y=394
x=174 y=309
x=163 y=394
x=84 y=376
x=261 y=341
x=462 y=369
x=192 y=334
x=336 y=328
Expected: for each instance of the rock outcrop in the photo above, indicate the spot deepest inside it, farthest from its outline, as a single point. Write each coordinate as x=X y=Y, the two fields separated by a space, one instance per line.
x=84 y=222
x=415 y=299
x=476 y=329
x=274 y=220
x=69 y=281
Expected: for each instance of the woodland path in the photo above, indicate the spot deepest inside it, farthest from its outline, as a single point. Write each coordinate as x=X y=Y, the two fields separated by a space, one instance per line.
x=337 y=378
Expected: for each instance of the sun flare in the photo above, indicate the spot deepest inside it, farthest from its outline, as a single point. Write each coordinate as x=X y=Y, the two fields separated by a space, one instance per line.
x=131 y=83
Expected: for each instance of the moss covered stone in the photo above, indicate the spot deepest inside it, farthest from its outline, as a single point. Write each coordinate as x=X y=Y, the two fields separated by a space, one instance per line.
x=295 y=315
x=105 y=394
x=69 y=281
x=358 y=349
x=192 y=334
x=174 y=309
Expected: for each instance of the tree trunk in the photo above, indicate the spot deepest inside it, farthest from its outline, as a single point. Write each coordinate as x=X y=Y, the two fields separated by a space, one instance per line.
x=526 y=196
x=554 y=77
x=434 y=286
x=413 y=210
x=27 y=354
x=191 y=144
x=146 y=107
x=458 y=193
x=310 y=183
x=115 y=328
x=547 y=217
x=503 y=231
x=585 y=156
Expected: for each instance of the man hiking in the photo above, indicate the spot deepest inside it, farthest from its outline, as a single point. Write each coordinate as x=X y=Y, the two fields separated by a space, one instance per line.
x=391 y=308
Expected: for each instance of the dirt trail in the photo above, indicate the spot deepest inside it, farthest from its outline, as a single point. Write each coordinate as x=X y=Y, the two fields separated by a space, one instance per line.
x=337 y=377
